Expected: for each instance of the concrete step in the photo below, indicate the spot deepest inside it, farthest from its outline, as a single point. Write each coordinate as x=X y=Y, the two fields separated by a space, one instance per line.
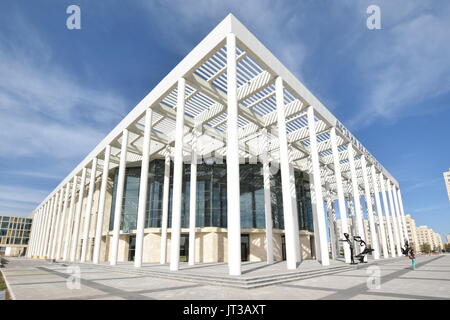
x=237 y=282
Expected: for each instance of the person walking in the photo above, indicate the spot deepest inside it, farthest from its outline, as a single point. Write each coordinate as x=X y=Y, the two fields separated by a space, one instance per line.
x=412 y=256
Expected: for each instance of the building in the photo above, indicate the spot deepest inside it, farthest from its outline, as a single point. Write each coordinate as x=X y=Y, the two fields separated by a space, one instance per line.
x=14 y=235
x=410 y=227
x=437 y=242
x=229 y=158
x=412 y=232
x=447 y=182
x=448 y=238
x=426 y=235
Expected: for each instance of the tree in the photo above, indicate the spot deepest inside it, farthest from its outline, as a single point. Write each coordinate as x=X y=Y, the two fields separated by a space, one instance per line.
x=447 y=247
x=425 y=248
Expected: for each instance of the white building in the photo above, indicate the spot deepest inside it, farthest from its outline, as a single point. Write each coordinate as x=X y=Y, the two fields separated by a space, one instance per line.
x=426 y=235
x=229 y=114
x=447 y=182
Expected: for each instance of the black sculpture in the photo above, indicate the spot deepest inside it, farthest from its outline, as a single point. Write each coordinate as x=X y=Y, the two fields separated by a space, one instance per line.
x=350 y=244
x=364 y=252
x=407 y=249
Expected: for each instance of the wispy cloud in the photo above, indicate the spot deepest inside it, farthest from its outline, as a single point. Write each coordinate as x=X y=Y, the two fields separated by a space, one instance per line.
x=275 y=20
x=405 y=64
x=47 y=114
x=45 y=110
x=431 y=208
x=423 y=184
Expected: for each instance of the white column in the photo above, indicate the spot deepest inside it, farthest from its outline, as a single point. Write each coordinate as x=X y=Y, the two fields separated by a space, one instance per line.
x=394 y=219
x=356 y=195
x=298 y=254
x=46 y=230
x=388 y=219
x=379 y=212
x=369 y=208
x=165 y=210
x=177 y=178
x=87 y=214
x=400 y=201
x=101 y=206
x=34 y=233
x=48 y=222
x=193 y=197
x=321 y=225
x=331 y=227
x=76 y=227
x=288 y=190
x=399 y=216
x=119 y=199
x=317 y=251
x=69 y=223
x=340 y=193
x=143 y=183
x=51 y=225
x=233 y=179
x=58 y=221
x=267 y=198
x=62 y=222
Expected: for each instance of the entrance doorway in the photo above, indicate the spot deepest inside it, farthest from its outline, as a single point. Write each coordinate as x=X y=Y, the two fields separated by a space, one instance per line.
x=131 y=248
x=283 y=247
x=184 y=248
x=245 y=247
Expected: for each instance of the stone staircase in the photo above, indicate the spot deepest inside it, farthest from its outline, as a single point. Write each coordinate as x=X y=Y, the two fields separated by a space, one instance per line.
x=243 y=282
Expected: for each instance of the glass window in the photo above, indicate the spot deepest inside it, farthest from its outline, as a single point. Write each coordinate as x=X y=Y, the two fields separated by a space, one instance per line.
x=211 y=197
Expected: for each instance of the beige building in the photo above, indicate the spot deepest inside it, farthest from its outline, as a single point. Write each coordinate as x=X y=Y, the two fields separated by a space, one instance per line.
x=417 y=235
x=447 y=182
x=427 y=235
x=412 y=232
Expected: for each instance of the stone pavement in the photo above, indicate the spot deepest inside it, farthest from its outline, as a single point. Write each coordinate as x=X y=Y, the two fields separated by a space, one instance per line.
x=34 y=279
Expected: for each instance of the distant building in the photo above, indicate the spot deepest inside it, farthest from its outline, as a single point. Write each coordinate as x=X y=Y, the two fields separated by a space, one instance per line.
x=448 y=238
x=427 y=235
x=14 y=235
x=417 y=235
x=447 y=184
x=412 y=232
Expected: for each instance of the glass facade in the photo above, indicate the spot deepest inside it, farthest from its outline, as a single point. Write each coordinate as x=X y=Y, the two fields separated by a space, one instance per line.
x=211 y=197
x=14 y=230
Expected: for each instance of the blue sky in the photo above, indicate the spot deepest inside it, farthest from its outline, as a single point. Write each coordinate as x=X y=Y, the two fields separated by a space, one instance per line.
x=62 y=91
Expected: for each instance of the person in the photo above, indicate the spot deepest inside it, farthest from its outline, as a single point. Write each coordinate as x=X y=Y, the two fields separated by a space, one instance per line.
x=412 y=256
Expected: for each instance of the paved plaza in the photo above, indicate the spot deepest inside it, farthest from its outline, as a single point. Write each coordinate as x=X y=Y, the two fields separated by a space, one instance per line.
x=34 y=279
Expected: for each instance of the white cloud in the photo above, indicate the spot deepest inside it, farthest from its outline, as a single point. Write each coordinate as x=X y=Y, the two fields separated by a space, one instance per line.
x=275 y=20
x=406 y=64
x=46 y=114
x=44 y=108
x=21 y=194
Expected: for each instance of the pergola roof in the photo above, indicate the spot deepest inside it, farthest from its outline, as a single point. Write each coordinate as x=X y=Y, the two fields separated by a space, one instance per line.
x=205 y=71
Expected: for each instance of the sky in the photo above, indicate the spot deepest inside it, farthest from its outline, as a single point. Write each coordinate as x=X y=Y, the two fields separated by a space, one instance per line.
x=62 y=91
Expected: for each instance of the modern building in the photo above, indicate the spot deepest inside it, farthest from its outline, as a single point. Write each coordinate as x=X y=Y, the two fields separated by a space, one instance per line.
x=447 y=182
x=14 y=235
x=229 y=158
x=448 y=238
x=426 y=235
x=412 y=232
